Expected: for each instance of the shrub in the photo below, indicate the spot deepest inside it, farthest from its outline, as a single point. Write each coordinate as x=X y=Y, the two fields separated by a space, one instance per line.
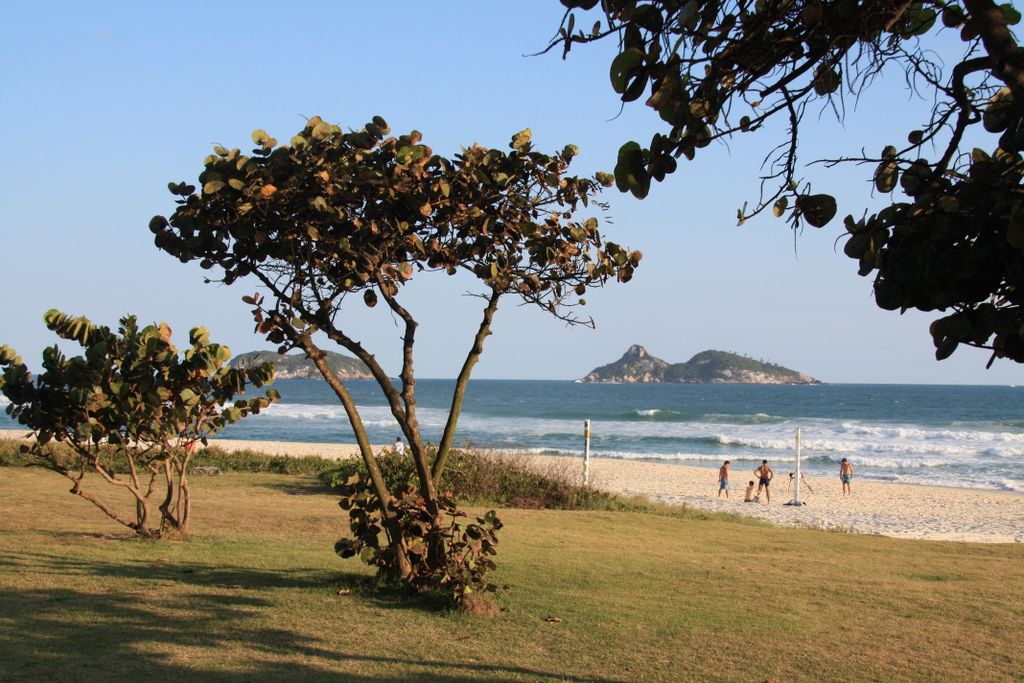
x=491 y=478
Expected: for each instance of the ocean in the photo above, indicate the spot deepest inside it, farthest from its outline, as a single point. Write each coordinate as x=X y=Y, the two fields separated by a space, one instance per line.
x=969 y=436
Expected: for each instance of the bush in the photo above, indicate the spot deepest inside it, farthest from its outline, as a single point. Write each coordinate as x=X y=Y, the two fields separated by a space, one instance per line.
x=493 y=479
x=254 y=461
x=238 y=461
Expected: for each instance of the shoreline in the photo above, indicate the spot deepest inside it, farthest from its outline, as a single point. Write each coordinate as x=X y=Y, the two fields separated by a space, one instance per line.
x=899 y=510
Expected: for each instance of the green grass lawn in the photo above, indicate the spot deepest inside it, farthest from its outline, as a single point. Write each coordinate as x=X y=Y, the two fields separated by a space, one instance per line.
x=253 y=595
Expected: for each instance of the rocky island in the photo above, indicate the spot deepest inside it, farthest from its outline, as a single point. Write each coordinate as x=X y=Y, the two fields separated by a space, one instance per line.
x=707 y=367
x=297 y=366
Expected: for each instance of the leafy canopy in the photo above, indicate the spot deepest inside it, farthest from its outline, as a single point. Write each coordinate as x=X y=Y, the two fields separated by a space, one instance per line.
x=340 y=212
x=715 y=69
x=129 y=398
x=130 y=386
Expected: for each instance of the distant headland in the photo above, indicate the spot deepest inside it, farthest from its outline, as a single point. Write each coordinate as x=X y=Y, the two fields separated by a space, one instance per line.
x=707 y=367
x=297 y=366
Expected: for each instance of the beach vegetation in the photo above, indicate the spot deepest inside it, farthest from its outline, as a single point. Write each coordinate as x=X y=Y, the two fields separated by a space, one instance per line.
x=211 y=457
x=335 y=216
x=496 y=479
x=131 y=410
x=950 y=238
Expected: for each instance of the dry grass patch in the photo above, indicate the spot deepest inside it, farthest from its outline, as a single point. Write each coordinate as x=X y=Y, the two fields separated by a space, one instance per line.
x=254 y=595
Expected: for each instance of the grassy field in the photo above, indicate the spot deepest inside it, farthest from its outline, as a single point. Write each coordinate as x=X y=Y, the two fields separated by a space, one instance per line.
x=253 y=595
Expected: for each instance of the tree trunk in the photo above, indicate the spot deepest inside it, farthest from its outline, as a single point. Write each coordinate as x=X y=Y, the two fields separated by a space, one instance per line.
x=184 y=496
x=460 y=387
x=138 y=525
x=391 y=526
x=167 y=518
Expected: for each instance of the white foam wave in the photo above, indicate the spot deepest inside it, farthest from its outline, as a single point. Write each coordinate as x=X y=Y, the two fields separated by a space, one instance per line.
x=898 y=432
x=982 y=454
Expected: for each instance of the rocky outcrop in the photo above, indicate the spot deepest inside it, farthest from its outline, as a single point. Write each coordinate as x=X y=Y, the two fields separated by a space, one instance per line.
x=707 y=367
x=297 y=366
x=636 y=365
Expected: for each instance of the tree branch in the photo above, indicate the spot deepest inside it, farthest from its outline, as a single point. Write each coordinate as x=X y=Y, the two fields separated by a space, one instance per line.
x=987 y=18
x=460 y=385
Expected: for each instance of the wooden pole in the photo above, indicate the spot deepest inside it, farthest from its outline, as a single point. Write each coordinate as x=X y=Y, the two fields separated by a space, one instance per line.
x=586 y=452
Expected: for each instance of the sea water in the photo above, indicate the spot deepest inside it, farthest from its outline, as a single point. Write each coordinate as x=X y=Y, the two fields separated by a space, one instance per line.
x=969 y=436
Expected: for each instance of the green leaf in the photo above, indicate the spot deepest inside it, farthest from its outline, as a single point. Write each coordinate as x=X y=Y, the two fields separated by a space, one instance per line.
x=886 y=176
x=213 y=187
x=630 y=175
x=826 y=80
x=521 y=139
x=816 y=209
x=1010 y=14
x=622 y=66
x=952 y=16
x=236 y=184
x=780 y=206
x=157 y=223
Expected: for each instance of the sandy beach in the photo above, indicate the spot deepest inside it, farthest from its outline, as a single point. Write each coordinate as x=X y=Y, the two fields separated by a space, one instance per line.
x=885 y=508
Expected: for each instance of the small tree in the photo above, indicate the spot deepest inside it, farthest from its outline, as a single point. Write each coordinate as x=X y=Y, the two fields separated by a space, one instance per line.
x=339 y=214
x=130 y=410
x=716 y=69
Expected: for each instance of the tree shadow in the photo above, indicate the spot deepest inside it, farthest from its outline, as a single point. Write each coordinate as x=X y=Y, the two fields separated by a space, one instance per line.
x=183 y=572
x=304 y=485
x=58 y=634
x=167 y=573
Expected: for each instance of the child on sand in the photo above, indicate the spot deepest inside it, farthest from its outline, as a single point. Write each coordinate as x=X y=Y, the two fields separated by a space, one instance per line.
x=748 y=496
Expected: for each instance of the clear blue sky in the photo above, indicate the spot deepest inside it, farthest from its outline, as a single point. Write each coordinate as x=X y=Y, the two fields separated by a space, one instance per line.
x=104 y=103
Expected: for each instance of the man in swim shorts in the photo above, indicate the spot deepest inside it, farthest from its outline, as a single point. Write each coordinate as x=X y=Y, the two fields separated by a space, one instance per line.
x=723 y=480
x=764 y=476
x=846 y=475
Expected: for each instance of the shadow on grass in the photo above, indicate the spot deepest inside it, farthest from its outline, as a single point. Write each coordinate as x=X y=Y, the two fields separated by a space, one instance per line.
x=299 y=485
x=64 y=634
x=167 y=573
x=189 y=573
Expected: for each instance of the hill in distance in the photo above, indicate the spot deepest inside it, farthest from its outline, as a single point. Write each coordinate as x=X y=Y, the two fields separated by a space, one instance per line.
x=297 y=366
x=707 y=367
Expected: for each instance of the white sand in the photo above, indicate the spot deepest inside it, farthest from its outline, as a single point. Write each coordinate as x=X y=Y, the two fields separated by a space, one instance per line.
x=889 y=509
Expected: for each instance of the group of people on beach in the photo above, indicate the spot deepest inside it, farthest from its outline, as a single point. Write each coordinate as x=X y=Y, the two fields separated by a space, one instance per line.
x=765 y=474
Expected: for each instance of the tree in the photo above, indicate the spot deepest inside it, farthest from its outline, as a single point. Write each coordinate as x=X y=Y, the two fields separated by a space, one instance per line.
x=130 y=410
x=715 y=69
x=336 y=215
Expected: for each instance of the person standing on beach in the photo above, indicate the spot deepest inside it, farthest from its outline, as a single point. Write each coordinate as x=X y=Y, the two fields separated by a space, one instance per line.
x=764 y=478
x=399 y=446
x=846 y=475
x=723 y=480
